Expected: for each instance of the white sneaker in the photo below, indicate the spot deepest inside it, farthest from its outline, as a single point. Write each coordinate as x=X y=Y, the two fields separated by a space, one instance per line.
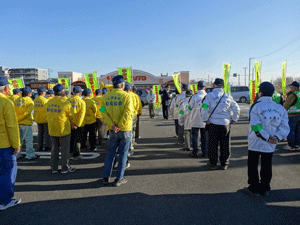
x=289 y=148
x=127 y=165
x=13 y=202
x=77 y=157
x=70 y=170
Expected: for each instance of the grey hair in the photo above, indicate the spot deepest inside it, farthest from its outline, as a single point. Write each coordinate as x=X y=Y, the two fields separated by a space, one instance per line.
x=119 y=86
x=2 y=88
x=59 y=93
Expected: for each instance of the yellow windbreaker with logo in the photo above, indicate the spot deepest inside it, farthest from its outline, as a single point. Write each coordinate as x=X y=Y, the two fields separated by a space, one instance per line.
x=39 y=110
x=49 y=98
x=24 y=108
x=90 y=115
x=139 y=103
x=59 y=112
x=117 y=109
x=97 y=100
x=13 y=98
x=9 y=129
x=79 y=108
x=134 y=103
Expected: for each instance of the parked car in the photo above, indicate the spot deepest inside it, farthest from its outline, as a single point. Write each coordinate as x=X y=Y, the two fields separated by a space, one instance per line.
x=143 y=96
x=240 y=93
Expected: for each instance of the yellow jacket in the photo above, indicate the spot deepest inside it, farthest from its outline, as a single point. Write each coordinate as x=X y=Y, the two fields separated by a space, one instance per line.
x=59 y=111
x=39 y=110
x=134 y=103
x=24 y=108
x=139 y=103
x=49 y=98
x=98 y=100
x=91 y=109
x=9 y=129
x=13 y=98
x=117 y=108
x=79 y=108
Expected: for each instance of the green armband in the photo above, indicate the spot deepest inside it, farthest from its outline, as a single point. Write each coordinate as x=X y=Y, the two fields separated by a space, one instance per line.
x=181 y=112
x=176 y=106
x=204 y=106
x=190 y=108
x=102 y=109
x=256 y=128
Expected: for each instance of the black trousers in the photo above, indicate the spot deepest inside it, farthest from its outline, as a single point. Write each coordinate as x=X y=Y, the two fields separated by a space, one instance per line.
x=90 y=129
x=219 y=134
x=265 y=171
x=43 y=136
x=76 y=139
x=195 y=139
x=176 y=126
x=165 y=110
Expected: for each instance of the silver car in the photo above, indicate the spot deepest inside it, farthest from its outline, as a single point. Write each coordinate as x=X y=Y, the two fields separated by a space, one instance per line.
x=240 y=93
x=143 y=96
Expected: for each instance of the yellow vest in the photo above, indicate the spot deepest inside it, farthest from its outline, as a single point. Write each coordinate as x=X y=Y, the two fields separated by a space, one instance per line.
x=79 y=108
x=24 y=108
x=98 y=100
x=13 y=98
x=59 y=111
x=39 y=110
x=118 y=108
x=9 y=129
x=90 y=115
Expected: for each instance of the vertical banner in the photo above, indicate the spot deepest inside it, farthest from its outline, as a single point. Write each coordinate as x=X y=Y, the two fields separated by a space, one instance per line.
x=252 y=91
x=91 y=82
x=194 y=88
x=157 y=103
x=126 y=73
x=226 y=71
x=64 y=82
x=257 y=69
x=284 y=80
x=228 y=88
x=15 y=83
x=176 y=82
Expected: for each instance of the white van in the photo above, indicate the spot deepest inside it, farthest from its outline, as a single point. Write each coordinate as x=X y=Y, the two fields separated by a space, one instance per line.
x=240 y=93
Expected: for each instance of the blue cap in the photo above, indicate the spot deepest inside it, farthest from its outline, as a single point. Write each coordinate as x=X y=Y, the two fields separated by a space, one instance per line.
x=41 y=90
x=134 y=88
x=295 y=84
x=98 y=91
x=127 y=86
x=67 y=92
x=77 y=89
x=118 y=79
x=219 y=81
x=86 y=92
x=185 y=86
x=58 y=88
x=189 y=93
x=104 y=90
x=3 y=81
x=266 y=88
x=27 y=90
x=16 y=91
x=50 y=92
x=201 y=83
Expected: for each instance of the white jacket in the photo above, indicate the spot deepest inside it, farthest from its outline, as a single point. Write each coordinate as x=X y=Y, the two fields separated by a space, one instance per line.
x=184 y=118
x=195 y=109
x=221 y=115
x=151 y=97
x=267 y=118
x=172 y=106
x=179 y=99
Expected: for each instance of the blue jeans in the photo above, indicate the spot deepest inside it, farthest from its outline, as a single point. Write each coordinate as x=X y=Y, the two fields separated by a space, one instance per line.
x=294 y=135
x=8 y=174
x=121 y=141
x=26 y=134
x=195 y=138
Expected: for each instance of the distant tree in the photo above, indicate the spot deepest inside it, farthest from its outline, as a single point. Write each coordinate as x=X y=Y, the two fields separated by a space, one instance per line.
x=278 y=83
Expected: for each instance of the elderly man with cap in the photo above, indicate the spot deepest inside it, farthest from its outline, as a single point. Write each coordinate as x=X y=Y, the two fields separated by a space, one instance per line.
x=292 y=105
x=197 y=121
x=41 y=120
x=184 y=120
x=151 y=98
x=89 y=120
x=59 y=113
x=24 y=107
x=178 y=102
x=101 y=126
x=104 y=90
x=117 y=112
x=9 y=147
x=16 y=94
x=217 y=107
x=79 y=109
x=50 y=94
x=268 y=126
x=165 y=97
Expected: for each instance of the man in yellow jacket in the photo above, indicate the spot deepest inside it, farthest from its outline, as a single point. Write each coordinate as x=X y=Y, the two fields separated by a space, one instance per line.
x=16 y=94
x=41 y=120
x=117 y=111
x=79 y=109
x=9 y=147
x=59 y=113
x=24 y=107
x=101 y=126
x=89 y=120
x=50 y=94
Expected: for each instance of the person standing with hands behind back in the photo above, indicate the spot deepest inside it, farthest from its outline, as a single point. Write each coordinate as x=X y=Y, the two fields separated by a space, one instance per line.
x=151 y=97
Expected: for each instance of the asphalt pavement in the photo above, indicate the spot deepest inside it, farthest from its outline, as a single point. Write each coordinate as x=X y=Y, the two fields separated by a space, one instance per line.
x=165 y=186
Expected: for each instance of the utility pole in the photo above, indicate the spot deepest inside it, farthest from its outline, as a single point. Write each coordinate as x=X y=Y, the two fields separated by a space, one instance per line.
x=245 y=75
x=49 y=73
x=249 y=68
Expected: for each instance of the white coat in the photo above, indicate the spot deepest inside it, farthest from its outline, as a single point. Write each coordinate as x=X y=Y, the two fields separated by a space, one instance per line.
x=172 y=106
x=267 y=118
x=178 y=102
x=195 y=109
x=184 y=118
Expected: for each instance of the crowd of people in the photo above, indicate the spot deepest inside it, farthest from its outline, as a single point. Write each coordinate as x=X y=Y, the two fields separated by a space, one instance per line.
x=65 y=123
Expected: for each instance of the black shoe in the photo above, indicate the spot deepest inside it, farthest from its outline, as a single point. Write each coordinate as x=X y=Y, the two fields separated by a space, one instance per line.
x=47 y=149
x=248 y=191
x=194 y=155
x=105 y=181
x=211 y=166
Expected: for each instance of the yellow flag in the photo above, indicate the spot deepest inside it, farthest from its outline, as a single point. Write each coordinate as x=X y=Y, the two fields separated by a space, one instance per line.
x=226 y=71
x=176 y=82
x=91 y=82
x=257 y=68
x=284 y=80
x=157 y=103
